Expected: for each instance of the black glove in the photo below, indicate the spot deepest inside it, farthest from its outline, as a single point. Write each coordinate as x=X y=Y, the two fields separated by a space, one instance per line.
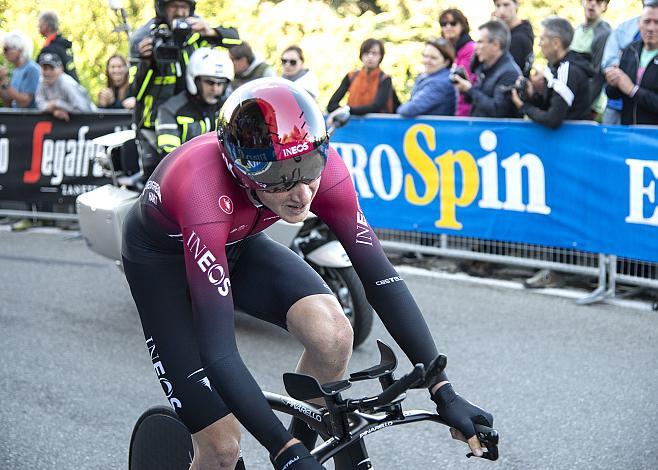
x=460 y=413
x=296 y=457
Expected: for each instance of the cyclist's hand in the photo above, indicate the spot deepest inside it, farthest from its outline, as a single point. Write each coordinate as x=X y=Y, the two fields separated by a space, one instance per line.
x=461 y=415
x=296 y=457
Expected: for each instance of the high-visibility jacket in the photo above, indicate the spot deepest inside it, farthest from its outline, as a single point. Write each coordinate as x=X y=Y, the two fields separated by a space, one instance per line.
x=154 y=83
x=181 y=118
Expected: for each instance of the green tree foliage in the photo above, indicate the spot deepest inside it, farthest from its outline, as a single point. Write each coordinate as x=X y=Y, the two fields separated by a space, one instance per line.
x=329 y=32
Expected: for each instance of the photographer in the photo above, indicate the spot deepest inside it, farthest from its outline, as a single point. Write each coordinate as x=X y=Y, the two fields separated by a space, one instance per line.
x=496 y=73
x=562 y=91
x=160 y=50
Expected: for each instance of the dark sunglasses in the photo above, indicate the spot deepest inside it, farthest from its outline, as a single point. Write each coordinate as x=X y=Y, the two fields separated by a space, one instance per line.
x=8 y=48
x=287 y=186
x=292 y=62
x=448 y=23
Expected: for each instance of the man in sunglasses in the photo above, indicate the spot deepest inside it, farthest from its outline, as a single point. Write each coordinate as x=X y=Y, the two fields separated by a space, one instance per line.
x=193 y=250
x=194 y=111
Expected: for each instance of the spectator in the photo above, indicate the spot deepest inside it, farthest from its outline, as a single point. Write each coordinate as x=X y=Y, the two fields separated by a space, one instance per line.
x=433 y=93
x=562 y=91
x=522 y=35
x=589 y=40
x=194 y=111
x=635 y=80
x=247 y=66
x=496 y=72
x=455 y=28
x=116 y=94
x=59 y=93
x=155 y=77
x=622 y=36
x=55 y=42
x=370 y=89
x=292 y=62
x=20 y=91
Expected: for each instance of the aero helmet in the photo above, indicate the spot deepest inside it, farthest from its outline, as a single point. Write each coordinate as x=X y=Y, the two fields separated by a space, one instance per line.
x=207 y=62
x=273 y=135
x=160 y=7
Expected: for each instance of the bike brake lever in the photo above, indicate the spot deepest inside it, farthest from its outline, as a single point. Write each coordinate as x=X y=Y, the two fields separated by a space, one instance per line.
x=488 y=438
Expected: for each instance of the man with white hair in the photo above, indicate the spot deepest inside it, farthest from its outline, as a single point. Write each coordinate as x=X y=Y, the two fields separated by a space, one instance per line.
x=19 y=92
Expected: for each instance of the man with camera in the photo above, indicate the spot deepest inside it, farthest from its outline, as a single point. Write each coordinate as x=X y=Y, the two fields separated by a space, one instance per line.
x=562 y=90
x=496 y=73
x=160 y=51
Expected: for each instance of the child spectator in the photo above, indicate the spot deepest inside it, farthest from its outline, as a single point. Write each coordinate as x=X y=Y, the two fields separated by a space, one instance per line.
x=116 y=94
x=433 y=93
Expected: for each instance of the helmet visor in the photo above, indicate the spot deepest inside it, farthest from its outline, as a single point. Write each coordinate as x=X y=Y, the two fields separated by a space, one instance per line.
x=282 y=175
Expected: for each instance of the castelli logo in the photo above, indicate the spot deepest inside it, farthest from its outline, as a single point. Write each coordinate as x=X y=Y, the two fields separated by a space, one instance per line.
x=226 y=204
x=295 y=149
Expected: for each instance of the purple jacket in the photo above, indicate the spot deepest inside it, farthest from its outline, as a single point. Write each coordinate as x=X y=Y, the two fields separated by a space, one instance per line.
x=463 y=59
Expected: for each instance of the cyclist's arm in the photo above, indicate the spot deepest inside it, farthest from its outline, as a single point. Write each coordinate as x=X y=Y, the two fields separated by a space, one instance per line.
x=336 y=204
x=212 y=305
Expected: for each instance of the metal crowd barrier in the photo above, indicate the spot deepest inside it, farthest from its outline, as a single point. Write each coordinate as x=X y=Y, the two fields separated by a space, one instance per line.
x=607 y=269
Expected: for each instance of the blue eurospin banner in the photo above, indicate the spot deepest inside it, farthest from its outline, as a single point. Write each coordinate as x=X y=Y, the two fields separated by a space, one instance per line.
x=584 y=186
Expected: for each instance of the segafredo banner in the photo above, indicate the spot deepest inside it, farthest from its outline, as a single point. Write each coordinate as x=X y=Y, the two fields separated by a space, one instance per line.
x=47 y=159
x=583 y=186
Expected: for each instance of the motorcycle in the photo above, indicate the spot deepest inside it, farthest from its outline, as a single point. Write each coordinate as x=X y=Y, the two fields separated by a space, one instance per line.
x=101 y=213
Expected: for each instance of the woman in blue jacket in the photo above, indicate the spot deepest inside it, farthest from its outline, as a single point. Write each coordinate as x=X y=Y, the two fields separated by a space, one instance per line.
x=433 y=93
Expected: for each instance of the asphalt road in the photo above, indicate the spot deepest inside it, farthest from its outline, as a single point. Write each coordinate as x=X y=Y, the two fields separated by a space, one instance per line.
x=570 y=387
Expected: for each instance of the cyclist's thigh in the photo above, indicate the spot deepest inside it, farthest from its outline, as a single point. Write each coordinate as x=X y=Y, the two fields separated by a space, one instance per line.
x=267 y=278
x=162 y=299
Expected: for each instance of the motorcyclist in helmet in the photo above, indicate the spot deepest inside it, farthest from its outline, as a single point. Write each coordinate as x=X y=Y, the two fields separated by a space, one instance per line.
x=194 y=111
x=193 y=251
x=155 y=80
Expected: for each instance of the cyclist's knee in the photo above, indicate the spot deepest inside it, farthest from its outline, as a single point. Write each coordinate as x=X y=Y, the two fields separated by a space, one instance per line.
x=218 y=445
x=322 y=327
x=216 y=454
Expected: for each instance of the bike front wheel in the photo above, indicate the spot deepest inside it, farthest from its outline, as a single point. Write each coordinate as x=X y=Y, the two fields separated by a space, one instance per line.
x=160 y=441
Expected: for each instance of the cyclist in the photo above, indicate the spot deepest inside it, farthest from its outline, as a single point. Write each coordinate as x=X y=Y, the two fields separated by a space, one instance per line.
x=194 y=111
x=193 y=249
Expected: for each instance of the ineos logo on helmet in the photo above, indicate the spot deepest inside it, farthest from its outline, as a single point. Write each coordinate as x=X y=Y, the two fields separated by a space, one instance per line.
x=295 y=149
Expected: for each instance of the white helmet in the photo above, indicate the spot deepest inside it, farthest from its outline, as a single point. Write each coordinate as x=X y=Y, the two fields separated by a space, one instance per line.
x=207 y=62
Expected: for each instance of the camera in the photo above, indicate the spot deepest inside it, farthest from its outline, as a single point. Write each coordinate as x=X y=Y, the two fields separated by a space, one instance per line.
x=167 y=42
x=458 y=71
x=521 y=87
